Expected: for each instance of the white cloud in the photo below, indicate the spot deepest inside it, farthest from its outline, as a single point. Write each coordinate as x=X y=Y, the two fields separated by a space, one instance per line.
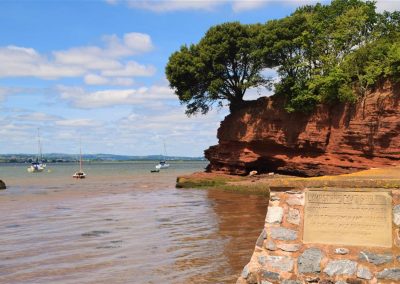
x=26 y=62
x=239 y=6
x=173 y=5
x=36 y=117
x=255 y=93
x=121 y=82
x=95 y=57
x=236 y=5
x=133 y=42
x=94 y=79
x=137 y=132
x=90 y=57
x=77 y=122
x=3 y=94
x=79 y=61
x=207 y=5
x=130 y=69
x=11 y=90
x=193 y=134
x=246 y=5
x=15 y=133
x=80 y=98
x=388 y=5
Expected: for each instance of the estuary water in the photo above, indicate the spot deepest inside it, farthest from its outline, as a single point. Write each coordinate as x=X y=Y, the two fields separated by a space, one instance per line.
x=122 y=224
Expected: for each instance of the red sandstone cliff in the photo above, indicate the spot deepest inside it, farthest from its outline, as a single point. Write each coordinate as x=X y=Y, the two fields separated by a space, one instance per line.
x=336 y=139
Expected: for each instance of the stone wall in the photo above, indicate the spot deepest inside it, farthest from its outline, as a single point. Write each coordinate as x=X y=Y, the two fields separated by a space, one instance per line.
x=282 y=256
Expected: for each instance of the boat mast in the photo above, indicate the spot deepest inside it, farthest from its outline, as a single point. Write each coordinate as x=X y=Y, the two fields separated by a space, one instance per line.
x=80 y=154
x=165 y=151
x=39 y=146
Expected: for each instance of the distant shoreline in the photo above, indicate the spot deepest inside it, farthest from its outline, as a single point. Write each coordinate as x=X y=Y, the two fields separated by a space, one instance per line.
x=72 y=158
x=100 y=161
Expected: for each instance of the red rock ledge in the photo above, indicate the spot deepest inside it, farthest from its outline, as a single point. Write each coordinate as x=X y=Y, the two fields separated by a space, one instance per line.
x=337 y=139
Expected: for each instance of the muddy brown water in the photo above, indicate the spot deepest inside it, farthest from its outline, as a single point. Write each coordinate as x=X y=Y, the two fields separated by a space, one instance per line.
x=122 y=225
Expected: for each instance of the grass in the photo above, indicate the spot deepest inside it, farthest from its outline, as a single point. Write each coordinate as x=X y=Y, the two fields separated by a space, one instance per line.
x=260 y=184
x=221 y=182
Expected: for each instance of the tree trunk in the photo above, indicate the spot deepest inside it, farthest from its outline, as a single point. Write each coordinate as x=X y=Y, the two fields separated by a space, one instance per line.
x=236 y=104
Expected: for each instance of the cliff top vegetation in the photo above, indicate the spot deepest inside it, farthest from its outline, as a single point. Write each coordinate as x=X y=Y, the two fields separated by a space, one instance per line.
x=322 y=54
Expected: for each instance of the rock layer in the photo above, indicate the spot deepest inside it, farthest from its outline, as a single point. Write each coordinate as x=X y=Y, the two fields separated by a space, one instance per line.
x=336 y=139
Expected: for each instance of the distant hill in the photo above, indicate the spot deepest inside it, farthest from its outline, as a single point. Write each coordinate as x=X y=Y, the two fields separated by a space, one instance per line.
x=64 y=158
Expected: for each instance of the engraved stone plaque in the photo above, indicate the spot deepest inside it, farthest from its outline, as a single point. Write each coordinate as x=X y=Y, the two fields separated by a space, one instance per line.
x=359 y=218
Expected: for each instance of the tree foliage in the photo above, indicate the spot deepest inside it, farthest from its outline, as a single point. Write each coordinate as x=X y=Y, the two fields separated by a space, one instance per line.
x=222 y=66
x=322 y=53
x=332 y=53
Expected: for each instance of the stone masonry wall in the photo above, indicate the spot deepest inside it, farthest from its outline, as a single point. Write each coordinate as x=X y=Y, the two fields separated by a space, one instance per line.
x=280 y=256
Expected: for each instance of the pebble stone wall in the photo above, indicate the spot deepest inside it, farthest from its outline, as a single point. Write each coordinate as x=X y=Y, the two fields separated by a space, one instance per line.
x=281 y=257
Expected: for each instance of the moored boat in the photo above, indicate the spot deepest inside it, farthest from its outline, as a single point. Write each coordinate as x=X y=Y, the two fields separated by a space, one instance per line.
x=163 y=163
x=37 y=166
x=79 y=174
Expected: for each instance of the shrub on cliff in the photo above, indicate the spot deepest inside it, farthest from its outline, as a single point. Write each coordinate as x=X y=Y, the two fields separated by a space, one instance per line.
x=331 y=53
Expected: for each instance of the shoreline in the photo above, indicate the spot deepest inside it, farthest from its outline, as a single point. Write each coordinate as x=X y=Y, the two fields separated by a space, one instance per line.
x=261 y=184
x=278 y=257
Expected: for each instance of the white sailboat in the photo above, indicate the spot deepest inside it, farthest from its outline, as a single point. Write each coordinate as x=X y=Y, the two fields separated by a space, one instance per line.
x=37 y=166
x=79 y=174
x=163 y=163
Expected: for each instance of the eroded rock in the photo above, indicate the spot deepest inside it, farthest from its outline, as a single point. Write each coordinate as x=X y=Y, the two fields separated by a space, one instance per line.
x=334 y=139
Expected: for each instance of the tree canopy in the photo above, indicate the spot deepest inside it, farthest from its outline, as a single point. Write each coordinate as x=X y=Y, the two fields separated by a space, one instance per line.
x=331 y=53
x=322 y=53
x=222 y=66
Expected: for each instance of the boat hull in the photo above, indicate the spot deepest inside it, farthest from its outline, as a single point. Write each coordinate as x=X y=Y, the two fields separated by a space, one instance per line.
x=164 y=166
x=33 y=169
x=79 y=175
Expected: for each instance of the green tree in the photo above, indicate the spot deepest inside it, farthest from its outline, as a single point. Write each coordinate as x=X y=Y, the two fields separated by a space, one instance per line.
x=310 y=47
x=220 y=68
x=322 y=53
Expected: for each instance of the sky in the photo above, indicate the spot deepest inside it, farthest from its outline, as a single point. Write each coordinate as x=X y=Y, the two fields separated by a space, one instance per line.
x=94 y=70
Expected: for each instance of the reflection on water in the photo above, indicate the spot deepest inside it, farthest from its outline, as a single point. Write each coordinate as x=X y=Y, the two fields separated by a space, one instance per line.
x=123 y=225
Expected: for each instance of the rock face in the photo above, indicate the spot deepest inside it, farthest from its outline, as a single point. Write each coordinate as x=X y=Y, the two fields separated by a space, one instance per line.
x=336 y=139
x=2 y=185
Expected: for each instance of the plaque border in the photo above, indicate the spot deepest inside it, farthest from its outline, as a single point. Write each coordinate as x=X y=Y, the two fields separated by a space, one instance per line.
x=356 y=190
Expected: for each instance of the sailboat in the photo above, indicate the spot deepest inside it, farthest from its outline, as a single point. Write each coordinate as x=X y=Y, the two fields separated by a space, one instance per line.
x=38 y=166
x=163 y=163
x=79 y=174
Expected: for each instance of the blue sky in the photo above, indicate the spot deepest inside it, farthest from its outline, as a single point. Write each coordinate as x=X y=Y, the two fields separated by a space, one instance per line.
x=95 y=69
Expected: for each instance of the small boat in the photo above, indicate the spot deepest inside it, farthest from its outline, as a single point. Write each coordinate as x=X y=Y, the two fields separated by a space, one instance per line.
x=155 y=171
x=37 y=166
x=79 y=174
x=163 y=163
